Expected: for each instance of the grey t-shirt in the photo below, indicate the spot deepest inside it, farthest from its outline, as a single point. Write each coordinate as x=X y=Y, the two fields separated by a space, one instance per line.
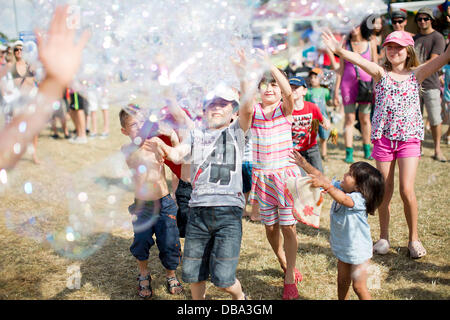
x=426 y=45
x=216 y=166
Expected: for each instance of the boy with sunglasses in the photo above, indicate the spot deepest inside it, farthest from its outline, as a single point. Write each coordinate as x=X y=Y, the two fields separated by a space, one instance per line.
x=429 y=44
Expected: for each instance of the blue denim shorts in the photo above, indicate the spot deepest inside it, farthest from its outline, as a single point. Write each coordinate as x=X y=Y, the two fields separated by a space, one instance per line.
x=157 y=218
x=212 y=245
x=246 y=176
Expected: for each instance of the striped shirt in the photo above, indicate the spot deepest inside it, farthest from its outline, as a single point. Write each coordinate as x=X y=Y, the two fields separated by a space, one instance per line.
x=272 y=139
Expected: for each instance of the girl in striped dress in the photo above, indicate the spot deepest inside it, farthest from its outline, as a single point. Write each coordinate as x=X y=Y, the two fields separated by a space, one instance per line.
x=271 y=122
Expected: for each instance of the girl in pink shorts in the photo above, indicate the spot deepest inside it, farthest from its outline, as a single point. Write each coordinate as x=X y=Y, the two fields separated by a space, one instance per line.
x=397 y=125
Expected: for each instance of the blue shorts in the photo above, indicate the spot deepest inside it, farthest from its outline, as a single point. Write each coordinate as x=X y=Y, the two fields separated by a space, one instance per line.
x=246 y=176
x=212 y=245
x=157 y=218
x=324 y=134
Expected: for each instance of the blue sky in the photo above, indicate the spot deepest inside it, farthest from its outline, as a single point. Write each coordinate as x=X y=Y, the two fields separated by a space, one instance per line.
x=7 y=22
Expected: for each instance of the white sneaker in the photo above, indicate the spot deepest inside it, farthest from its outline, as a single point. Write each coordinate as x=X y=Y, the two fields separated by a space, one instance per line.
x=381 y=246
x=78 y=140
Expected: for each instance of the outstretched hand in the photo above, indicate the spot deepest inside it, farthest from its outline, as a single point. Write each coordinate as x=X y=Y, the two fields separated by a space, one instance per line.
x=298 y=159
x=58 y=52
x=332 y=44
x=318 y=181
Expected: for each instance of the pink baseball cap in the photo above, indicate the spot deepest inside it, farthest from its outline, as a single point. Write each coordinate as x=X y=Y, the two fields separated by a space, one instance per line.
x=400 y=37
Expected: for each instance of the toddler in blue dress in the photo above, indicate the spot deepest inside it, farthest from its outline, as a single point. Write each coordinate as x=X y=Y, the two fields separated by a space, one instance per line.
x=358 y=194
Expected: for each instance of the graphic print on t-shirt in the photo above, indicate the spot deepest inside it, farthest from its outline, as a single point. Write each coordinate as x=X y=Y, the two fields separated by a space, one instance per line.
x=301 y=129
x=222 y=161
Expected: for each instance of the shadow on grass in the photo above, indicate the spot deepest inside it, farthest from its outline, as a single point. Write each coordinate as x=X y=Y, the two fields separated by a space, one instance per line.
x=113 y=271
x=312 y=232
x=400 y=265
x=420 y=294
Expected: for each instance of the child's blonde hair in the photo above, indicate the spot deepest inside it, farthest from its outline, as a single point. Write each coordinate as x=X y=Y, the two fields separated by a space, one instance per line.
x=412 y=61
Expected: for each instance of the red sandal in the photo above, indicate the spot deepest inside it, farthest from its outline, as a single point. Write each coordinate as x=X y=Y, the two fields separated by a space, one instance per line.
x=290 y=291
x=298 y=275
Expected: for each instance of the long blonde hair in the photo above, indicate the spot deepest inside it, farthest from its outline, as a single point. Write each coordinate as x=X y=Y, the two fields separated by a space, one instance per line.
x=412 y=61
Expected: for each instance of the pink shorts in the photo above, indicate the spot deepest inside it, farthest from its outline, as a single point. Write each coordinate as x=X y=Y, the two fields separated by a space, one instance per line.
x=389 y=150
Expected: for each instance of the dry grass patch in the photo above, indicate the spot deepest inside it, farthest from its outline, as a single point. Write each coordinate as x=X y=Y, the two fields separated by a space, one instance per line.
x=32 y=269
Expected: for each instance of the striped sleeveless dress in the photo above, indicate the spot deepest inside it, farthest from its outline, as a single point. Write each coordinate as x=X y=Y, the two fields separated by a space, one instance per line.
x=272 y=145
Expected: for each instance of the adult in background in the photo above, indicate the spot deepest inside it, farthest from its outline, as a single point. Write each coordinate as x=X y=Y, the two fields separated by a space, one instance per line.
x=399 y=20
x=359 y=41
x=429 y=44
x=25 y=81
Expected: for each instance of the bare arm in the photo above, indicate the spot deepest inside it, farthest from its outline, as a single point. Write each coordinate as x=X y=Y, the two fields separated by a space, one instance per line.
x=334 y=65
x=372 y=68
x=286 y=91
x=174 y=154
x=247 y=100
x=339 y=74
x=432 y=66
x=319 y=180
x=302 y=163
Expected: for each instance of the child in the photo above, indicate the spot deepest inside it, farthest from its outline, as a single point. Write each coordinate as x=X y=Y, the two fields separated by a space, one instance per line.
x=214 y=228
x=321 y=97
x=397 y=126
x=304 y=129
x=271 y=123
x=154 y=211
x=357 y=195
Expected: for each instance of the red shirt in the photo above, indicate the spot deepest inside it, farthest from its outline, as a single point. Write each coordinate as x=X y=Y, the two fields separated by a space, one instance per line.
x=303 y=137
x=175 y=168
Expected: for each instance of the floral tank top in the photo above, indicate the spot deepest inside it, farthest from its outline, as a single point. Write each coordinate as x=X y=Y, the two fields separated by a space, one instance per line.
x=397 y=113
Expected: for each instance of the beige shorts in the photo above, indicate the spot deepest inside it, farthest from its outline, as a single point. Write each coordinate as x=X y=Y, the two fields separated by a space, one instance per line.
x=363 y=108
x=431 y=98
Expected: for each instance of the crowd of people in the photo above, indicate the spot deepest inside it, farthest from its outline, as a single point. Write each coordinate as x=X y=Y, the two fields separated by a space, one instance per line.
x=254 y=138
x=18 y=79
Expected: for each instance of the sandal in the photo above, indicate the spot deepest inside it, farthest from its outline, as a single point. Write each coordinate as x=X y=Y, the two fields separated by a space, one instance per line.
x=382 y=246
x=297 y=274
x=142 y=288
x=290 y=291
x=416 y=249
x=170 y=284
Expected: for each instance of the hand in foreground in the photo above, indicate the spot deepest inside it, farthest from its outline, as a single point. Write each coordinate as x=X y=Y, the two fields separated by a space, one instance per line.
x=298 y=159
x=332 y=44
x=318 y=181
x=58 y=52
x=154 y=145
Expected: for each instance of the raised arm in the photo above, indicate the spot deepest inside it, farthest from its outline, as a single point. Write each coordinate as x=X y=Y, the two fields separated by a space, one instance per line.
x=247 y=100
x=432 y=66
x=318 y=180
x=302 y=163
x=372 y=68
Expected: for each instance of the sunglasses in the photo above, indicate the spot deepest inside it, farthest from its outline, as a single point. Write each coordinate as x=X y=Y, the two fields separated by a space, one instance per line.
x=17 y=49
x=398 y=21
x=423 y=19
